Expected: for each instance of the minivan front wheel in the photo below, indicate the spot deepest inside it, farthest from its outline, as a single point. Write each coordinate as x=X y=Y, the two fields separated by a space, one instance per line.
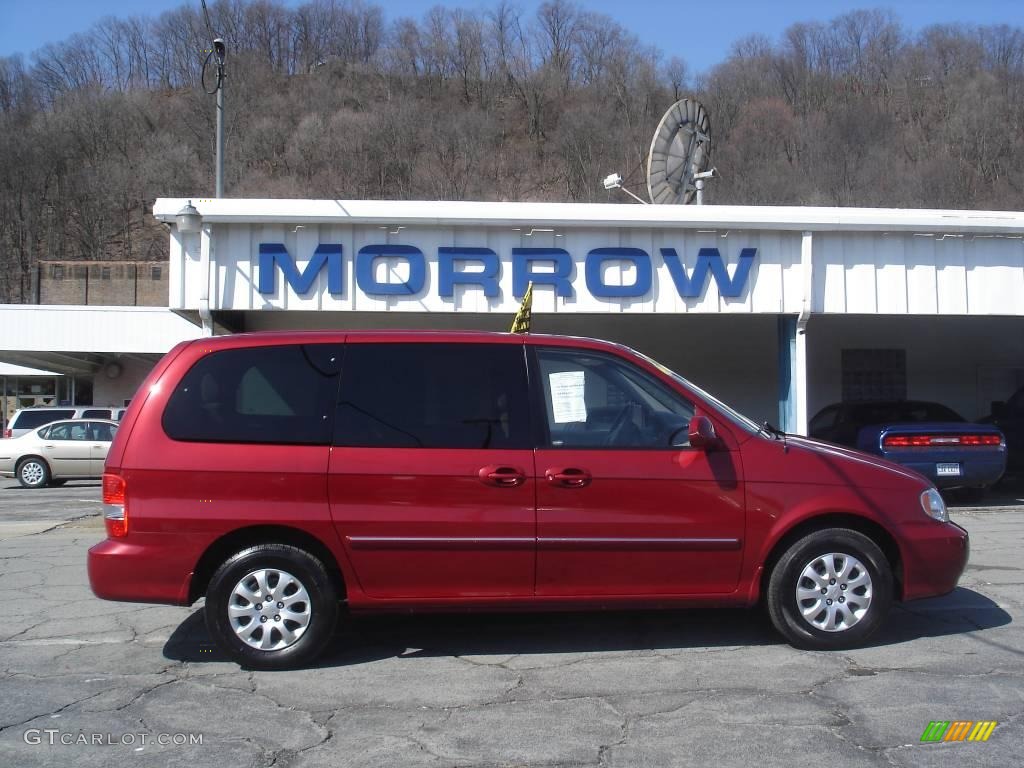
x=272 y=606
x=831 y=589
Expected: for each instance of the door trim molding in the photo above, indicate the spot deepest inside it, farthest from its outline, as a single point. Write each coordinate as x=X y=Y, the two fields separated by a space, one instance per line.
x=639 y=544
x=441 y=542
x=548 y=543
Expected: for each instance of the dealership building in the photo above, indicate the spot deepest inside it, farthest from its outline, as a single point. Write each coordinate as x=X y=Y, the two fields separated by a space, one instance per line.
x=778 y=311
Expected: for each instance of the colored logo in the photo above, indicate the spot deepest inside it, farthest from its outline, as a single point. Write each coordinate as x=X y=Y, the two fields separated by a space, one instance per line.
x=560 y=270
x=958 y=730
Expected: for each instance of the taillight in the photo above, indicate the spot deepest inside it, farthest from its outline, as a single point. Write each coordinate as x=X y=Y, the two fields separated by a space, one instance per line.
x=115 y=507
x=8 y=433
x=938 y=441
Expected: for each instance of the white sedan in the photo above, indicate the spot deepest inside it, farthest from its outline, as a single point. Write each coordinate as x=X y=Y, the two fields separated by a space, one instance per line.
x=57 y=452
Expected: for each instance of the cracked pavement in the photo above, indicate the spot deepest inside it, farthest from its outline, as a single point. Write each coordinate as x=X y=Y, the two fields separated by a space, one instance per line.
x=590 y=689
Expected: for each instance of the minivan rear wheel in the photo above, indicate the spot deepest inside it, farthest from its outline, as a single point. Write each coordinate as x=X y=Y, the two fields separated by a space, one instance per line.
x=830 y=590
x=272 y=606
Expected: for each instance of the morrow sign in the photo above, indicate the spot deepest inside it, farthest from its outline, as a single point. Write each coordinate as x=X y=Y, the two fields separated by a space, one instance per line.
x=454 y=262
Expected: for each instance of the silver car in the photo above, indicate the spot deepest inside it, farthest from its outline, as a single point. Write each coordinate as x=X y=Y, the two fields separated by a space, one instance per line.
x=75 y=449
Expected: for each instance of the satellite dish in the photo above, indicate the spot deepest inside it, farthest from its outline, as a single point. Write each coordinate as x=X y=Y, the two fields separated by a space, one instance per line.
x=681 y=149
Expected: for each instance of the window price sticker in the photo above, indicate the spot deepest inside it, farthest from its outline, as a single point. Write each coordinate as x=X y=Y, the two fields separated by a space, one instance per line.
x=568 y=389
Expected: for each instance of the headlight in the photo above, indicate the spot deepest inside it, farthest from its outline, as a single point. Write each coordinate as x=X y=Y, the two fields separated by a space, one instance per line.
x=934 y=506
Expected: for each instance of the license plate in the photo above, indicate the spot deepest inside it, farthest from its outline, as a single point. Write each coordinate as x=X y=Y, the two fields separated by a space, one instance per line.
x=947 y=470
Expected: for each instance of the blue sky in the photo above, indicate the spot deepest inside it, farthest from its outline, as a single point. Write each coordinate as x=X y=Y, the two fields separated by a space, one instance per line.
x=699 y=32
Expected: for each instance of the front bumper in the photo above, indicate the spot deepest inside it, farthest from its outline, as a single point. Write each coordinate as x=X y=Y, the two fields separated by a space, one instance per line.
x=934 y=557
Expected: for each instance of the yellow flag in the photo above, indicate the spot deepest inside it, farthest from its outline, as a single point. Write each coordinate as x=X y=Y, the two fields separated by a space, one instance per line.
x=521 y=322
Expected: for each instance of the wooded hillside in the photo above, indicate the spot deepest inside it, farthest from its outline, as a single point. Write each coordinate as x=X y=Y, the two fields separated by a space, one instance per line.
x=335 y=99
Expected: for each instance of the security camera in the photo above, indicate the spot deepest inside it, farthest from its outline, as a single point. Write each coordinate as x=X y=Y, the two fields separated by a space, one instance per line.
x=712 y=174
x=614 y=181
x=219 y=49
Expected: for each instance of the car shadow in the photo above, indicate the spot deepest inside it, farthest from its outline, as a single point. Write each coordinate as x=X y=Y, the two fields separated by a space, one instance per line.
x=14 y=485
x=362 y=639
x=961 y=611
x=1008 y=492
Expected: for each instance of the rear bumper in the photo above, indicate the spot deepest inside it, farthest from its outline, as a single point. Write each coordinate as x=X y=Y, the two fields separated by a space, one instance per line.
x=975 y=472
x=934 y=558
x=139 y=571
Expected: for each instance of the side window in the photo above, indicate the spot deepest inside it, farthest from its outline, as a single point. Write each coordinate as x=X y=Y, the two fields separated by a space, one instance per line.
x=100 y=432
x=594 y=400
x=826 y=419
x=96 y=413
x=72 y=430
x=1015 y=405
x=33 y=419
x=59 y=432
x=433 y=396
x=281 y=394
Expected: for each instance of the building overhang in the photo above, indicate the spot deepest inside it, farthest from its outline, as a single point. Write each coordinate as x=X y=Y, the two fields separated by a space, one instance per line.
x=466 y=213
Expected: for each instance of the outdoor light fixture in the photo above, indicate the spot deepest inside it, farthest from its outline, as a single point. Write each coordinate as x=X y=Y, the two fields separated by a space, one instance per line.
x=614 y=181
x=188 y=219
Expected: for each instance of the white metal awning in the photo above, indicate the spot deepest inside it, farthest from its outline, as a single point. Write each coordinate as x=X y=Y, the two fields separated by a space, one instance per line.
x=9 y=369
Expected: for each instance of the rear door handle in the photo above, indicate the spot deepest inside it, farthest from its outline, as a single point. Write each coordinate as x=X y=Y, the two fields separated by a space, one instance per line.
x=569 y=477
x=502 y=476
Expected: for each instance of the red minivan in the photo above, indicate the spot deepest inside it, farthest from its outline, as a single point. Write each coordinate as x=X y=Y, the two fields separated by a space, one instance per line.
x=282 y=474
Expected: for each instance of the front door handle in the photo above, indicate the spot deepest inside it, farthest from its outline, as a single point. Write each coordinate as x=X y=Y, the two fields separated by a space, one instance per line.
x=502 y=476
x=569 y=477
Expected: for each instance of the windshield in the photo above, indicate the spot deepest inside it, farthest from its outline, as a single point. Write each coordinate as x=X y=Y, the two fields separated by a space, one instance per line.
x=738 y=417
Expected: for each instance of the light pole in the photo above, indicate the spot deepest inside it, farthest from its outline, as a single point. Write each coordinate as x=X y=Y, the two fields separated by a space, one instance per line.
x=220 y=51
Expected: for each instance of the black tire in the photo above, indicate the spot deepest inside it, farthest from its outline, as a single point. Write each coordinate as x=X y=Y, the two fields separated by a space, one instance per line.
x=307 y=571
x=33 y=472
x=785 y=609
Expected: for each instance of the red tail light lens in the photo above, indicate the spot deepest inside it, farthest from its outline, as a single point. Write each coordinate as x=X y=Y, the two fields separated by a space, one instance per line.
x=938 y=441
x=115 y=507
x=8 y=432
x=980 y=440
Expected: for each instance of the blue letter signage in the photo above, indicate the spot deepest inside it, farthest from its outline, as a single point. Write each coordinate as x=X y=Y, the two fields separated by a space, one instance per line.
x=709 y=265
x=636 y=256
x=708 y=259
x=448 y=278
x=368 y=254
x=328 y=254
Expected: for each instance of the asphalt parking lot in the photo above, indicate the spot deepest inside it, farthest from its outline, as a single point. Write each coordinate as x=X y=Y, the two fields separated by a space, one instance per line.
x=618 y=689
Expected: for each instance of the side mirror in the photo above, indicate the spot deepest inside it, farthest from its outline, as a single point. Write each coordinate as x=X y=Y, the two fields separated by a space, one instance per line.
x=702 y=434
x=998 y=409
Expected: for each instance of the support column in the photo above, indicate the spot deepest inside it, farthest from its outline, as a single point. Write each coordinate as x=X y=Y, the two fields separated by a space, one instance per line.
x=800 y=356
x=800 y=379
x=787 y=373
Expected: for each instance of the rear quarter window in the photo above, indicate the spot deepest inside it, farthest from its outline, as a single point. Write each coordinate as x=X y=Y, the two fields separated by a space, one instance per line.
x=275 y=395
x=33 y=419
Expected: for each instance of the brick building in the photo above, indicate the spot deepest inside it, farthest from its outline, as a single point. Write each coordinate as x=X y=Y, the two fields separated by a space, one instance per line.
x=102 y=283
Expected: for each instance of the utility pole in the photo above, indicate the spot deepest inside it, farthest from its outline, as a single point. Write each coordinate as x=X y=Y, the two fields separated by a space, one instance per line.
x=220 y=51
